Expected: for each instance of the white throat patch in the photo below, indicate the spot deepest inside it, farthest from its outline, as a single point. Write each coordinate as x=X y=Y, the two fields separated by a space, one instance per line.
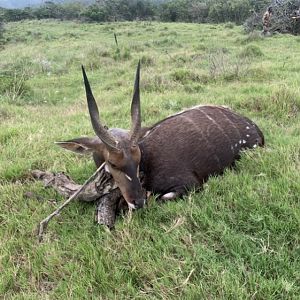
x=106 y=168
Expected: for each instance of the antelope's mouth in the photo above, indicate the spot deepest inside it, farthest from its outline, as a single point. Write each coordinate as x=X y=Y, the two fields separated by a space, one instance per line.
x=131 y=205
x=137 y=204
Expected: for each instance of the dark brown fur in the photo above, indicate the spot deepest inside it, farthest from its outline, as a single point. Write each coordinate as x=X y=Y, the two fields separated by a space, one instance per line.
x=183 y=150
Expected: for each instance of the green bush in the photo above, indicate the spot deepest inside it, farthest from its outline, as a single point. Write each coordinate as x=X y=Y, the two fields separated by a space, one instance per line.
x=122 y=54
x=282 y=104
x=252 y=37
x=14 y=86
x=184 y=76
x=147 y=60
x=224 y=67
x=4 y=114
x=251 y=51
x=229 y=25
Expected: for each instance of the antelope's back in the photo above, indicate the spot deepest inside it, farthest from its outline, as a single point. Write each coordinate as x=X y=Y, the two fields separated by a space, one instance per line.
x=183 y=150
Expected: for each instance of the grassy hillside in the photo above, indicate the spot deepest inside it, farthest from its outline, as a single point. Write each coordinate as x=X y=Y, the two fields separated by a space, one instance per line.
x=237 y=239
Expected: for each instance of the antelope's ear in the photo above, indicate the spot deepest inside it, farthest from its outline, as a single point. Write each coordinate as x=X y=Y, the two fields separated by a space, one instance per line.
x=84 y=145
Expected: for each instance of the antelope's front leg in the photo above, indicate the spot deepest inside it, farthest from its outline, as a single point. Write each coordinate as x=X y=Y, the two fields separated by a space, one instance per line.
x=169 y=196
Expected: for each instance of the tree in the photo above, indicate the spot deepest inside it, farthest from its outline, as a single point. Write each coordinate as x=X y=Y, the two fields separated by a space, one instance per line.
x=48 y=10
x=71 y=11
x=198 y=11
x=95 y=13
x=283 y=19
x=1 y=32
x=224 y=11
x=13 y=15
x=175 y=11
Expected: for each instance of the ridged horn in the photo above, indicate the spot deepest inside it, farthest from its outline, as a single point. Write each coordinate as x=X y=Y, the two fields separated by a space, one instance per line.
x=101 y=132
x=136 y=108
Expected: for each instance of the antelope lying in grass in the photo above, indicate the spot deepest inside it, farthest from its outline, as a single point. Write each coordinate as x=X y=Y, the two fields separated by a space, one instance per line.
x=175 y=154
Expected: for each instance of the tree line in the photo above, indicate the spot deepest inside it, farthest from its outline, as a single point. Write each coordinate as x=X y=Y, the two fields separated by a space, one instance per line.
x=202 y=11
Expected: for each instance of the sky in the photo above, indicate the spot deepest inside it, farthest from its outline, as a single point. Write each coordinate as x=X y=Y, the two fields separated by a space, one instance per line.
x=24 y=3
x=19 y=3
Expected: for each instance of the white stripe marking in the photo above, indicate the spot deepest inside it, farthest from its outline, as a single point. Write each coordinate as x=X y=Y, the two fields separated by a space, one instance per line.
x=128 y=177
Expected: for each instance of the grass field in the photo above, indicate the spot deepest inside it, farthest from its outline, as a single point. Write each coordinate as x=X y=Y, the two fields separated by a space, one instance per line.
x=237 y=239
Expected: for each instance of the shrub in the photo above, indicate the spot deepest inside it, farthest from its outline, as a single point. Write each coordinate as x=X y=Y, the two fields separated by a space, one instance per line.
x=157 y=83
x=229 y=25
x=95 y=57
x=14 y=86
x=122 y=54
x=222 y=67
x=252 y=37
x=184 y=76
x=165 y=42
x=251 y=51
x=147 y=60
x=4 y=113
x=193 y=88
x=283 y=103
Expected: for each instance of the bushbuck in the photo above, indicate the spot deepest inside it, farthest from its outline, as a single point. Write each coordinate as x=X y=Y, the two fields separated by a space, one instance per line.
x=176 y=154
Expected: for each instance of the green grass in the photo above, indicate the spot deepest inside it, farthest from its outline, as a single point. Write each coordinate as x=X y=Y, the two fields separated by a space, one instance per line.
x=237 y=239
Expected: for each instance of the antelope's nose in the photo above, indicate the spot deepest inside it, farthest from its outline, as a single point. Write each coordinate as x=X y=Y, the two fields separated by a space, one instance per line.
x=136 y=204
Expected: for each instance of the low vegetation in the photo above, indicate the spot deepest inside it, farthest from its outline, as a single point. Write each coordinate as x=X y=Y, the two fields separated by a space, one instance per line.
x=238 y=238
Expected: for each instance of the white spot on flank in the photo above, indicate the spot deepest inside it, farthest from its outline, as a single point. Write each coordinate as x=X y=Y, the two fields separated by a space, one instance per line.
x=231 y=147
x=240 y=141
x=247 y=135
x=254 y=146
x=235 y=145
x=130 y=205
x=244 y=142
x=247 y=127
x=128 y=177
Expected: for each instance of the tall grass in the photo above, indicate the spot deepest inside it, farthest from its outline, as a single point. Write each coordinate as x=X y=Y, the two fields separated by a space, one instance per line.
x=236 y=239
